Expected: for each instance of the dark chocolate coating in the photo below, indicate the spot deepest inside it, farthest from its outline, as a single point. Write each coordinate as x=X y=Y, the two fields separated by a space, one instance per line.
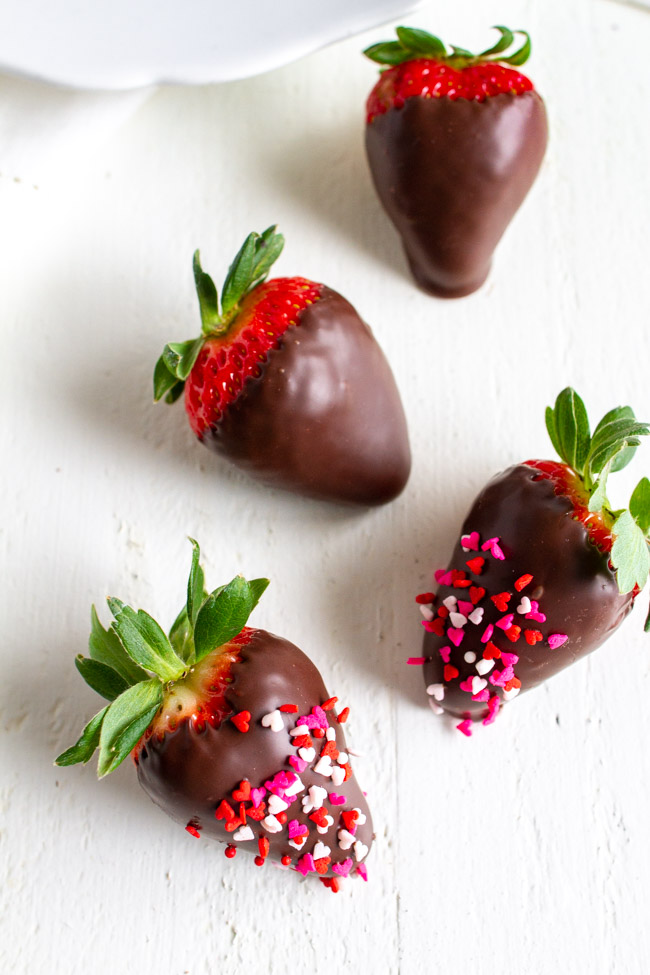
x=572 y=582
x=189 y=772
x=325 y=418
x=451 y=175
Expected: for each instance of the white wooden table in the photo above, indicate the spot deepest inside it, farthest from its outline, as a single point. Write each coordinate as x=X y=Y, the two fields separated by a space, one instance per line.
x=523 y=850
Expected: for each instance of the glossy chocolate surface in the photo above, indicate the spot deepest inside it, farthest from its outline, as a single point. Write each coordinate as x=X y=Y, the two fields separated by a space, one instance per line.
x=451 y=175
x=572 y=582
x=189 y=772
x=325 y=418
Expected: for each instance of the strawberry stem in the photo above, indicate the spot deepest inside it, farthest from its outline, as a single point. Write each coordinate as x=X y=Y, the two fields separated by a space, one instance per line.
x=413 y=43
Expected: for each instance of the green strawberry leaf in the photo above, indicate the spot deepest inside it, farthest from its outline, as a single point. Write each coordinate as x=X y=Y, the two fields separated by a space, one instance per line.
x=419 y=43
x=623 y=438
x=196 y=593
x=84 y=748
x=102 y=678
x=163 y=379
x=646 y=628
x=179 y=357
x=175 y=392
x=268 y=248
x=105 y=647
x=125 y=722
x=239 y=275
x=521 y=56
x=181 y=637
x=145 y=641
x=598 y=499
x=630 y=555
x=569 y=429
x=225 y=612
x=388 y=52
x=504 y=42
x=461 y=52
x=207 y=295
x=640 y=505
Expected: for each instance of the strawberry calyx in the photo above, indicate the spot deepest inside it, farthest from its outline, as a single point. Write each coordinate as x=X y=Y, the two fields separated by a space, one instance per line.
x=249 y=269
x=414 y=43
x=588 y=460
x=153 y=680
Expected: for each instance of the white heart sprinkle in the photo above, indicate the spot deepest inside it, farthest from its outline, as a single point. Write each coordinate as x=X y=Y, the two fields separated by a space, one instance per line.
x=307 y=754
x=361 y=817
x=476 y=615
x=271 y=824
x=450 y=602
x=470 y=657
x=478 y=684
x=338 y=775
x=427 y=612
x=276 y=805
x=323 y=766
x=330 y=734
x=299 y=842
x=524 y=606
x=436 y=707
x=343 y=758
x=320 y=850
x=484 y=666
x=345 y=839
x=457 y=620
x=360 y=850
x=437 y=691
x=300 y=729
x=328 y=822
x=273 y=720
x=243 y=833
x=314 y=799
x=508 y=695
x=295 y=787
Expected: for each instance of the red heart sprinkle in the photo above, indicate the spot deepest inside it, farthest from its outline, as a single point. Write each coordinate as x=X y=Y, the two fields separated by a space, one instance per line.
x=476 y=594
x=532 y=637
x=523 y=581
x=302 y=741
x=513 y=633
x=436 y=626
x=476 y=564
x=243 y=793
x=443 y=612
x=491 y=652
x=349 y=818
x=319 y=816
x=224 y=810
x=241 y=720
x=232 y=825
x=348 y=771
x=450 y=672
x=257 y=814
x=501 y=601
x=329 y=748
x=322 y=864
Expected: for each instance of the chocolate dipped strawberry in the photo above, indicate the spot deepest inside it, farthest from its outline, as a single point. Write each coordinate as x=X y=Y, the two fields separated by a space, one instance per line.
x=544 y=570
x=288 y=383
x=454 y=141
x=231 y=729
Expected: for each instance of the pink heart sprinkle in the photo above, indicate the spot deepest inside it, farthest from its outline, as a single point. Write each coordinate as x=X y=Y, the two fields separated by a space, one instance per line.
x=336 y=800
x=465 y=727
x=343 y=869
x=489 y=630
x=466 y=685
x=298 y=763
x=438 y=574
x=362 y=871
x=305 y=864
x=445 y=653
x=493 y=709
x=257 y=795
x=320 y=716
x=483 y=695
x=296 y=829
x=509 y=659
x=506 y=621
x=556 y=640
x=470 y=542
x=537 y=617
x=465 y=608
x=445 y=578
x=456 y=636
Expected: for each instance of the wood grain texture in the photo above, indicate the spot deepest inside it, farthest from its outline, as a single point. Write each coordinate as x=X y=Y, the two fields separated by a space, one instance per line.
x=522 y=850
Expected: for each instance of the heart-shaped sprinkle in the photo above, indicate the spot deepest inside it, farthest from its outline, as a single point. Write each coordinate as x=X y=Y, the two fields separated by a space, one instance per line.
x=501 y=601
x=305 y=864
x=271 y=824
x=437 y=691
x=427 y=612
x=257 y=795
x=243 y=793
x=476 y=594
x=296 y=829
x=335 y=799
x=476 y=616
x=505 y=622
x=241 y=720
x=457 y=620
x=324 y=766
x=276 y=805
x=532 y=637
x=307 y=754
x=360 y=850
x=426 y=598
x=491 y=652
x=443 y=577
x=314 y=799
x=464 y=607
x=523 y=581
x=513 y=633
x=478 y=683
x=224 y=811
x=524 y=606
x=450 y=672
x=509 y=659
x=466 y=685
x=465 y=727
x=556 y=640
x=450 y=602
x=470 y=657
x=493 y=546
x=294 y=787
x=469 y=543
x=456 y=636
x=481 y=696
x=435 y=626
x=320 y=850
x=484 y=666
x=322 y=865
x=343 y=869
x=298 y=763
x=445 y=653
x=345 y=839
x=273 y=720
x=508 y=695
x=243 y=834
x=475 y=565
x=338 y=775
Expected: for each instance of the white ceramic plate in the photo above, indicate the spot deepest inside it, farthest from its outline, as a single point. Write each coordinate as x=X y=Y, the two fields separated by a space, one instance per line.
x=119 y=44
